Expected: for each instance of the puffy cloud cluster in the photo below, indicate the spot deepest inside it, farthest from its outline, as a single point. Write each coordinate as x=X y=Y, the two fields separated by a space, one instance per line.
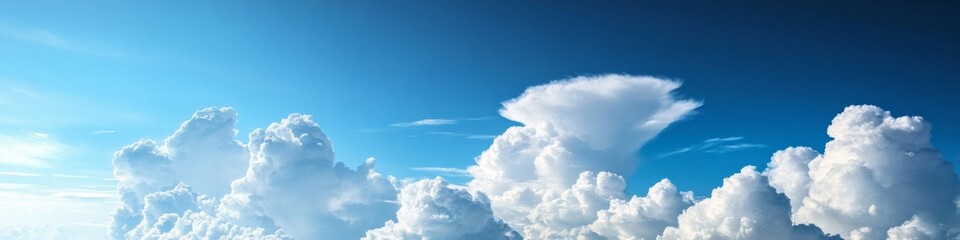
x=532 y=173
x=202 y=152
x=294 y=180
x=879 y=177
x=292 y=187
x=745 y=207
x=430 y=209
x=642 y=217
x=182 y=213
x=558 y=176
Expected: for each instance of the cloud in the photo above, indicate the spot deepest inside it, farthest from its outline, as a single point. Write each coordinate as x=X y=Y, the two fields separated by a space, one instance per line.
x=787 y=172
x=593 y=124
x=716 y=145
x=425 y=122
x=430 y=209
x=292 y=181
x=180 y=213
x=745 y=207
x=202 y=152
x=20 y=174
x=35 y=150
x=72 y=176
x=877 y=173
x=467 y=136
x=53 y=40
x=559 y=175
x=97 y=132
x=443 y=171
x=31 y=232
x=643 y=217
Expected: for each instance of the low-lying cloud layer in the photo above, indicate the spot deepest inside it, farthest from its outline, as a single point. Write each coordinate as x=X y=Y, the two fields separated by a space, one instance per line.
x=559 y=175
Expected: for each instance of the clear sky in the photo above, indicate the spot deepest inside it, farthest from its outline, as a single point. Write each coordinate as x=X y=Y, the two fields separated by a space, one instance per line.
x=80 y=79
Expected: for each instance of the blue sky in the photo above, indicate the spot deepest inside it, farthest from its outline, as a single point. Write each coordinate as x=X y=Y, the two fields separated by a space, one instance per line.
x=82 y=79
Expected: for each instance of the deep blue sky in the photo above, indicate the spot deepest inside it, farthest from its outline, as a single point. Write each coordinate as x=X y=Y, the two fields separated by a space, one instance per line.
x=772 y=73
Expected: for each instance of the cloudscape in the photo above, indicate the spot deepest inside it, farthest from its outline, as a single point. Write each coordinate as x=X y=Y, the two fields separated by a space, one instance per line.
x=494 y=120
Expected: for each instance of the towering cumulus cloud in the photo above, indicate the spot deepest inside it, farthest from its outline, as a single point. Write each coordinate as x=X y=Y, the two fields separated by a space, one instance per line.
x=532 y=173
x=294 y=180
x=879 y=177
x=202 y=152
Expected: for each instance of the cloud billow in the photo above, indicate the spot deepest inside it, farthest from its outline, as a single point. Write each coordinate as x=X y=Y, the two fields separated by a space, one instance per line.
x=559 y=175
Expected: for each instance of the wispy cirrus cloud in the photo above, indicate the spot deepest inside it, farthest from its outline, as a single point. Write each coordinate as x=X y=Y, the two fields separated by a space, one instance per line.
x=437 y=122
x=463 y=135
x=32 y=150
x=54 y=40
x=20 y=174
x=426 y=122
x=98 y=132
x=443 y=171
x=716 y=145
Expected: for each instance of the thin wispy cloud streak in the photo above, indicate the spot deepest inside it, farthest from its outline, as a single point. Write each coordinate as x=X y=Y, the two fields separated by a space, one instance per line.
x=437 y=122
x=53 y=40
x=20 y=174
x=716 y=145
x=103 y=132
x=443 y=171
x=425 y=122
x=467 y=136
x=36 y=150
x=72 y=176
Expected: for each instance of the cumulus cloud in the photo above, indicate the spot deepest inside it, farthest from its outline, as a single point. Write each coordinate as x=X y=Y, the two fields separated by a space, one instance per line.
x=292 y=181
x=787 y=172
x=202 y=152
x=560 y=175
x=180 y=213
x=877 y=173
x=431 y=209
x=642 y=217
x=745 y=207
x=582 y=124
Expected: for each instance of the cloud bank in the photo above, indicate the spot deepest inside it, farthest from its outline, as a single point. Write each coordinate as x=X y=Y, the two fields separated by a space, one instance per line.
x=879 y=177
x=559 y=175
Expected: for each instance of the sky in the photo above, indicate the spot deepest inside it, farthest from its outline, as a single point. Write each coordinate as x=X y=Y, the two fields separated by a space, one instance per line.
x=421 y=86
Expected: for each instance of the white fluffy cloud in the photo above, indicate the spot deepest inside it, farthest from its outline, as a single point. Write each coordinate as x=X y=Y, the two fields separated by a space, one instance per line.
x=294 y=180
x=787 y=172
x=745 y=207
x=877 y=173
x=201 y=152
x=431 y=209
x=293 y=187
x=582 y=124
x=558 y=176
x=642 y=217
x=181 y=213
